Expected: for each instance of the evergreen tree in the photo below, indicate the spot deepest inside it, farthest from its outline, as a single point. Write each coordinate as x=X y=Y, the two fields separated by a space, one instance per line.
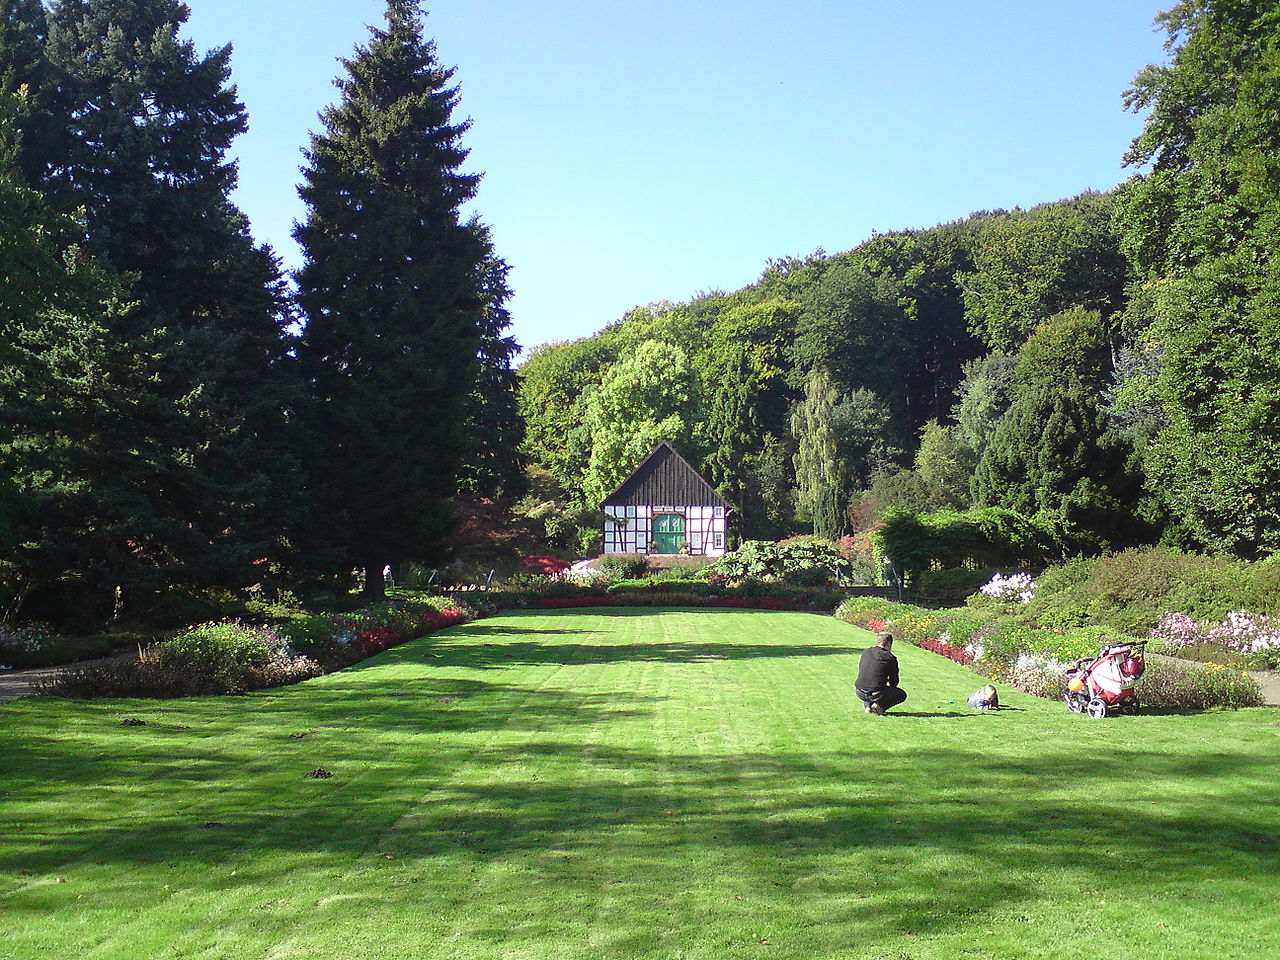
x=983 y=398
x=495 y=465
x=1052 y=454
x=66 y=391
x=148 y=123
x=944 y=466
x=732 y=429
x=30 y=125
x=821 y=475
x=393 y=289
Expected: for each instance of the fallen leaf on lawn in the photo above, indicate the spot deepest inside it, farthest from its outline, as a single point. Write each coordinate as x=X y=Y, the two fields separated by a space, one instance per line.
x=763 y=940
x=61 y=880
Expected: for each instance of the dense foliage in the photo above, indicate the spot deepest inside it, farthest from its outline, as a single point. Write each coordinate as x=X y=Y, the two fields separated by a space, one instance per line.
x=837 y=375
x=158 y=416
x=1201 y=226
x=915 y=542
x=393 y=293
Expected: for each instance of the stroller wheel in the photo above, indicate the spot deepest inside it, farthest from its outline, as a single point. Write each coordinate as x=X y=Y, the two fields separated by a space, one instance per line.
x=1097 y=709
x=1071 y=700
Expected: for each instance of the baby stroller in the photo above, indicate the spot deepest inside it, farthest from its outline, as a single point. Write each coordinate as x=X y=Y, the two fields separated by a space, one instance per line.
x=1106 y=682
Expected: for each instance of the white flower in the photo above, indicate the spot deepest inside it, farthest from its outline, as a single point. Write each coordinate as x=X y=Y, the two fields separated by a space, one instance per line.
x=1019 y=587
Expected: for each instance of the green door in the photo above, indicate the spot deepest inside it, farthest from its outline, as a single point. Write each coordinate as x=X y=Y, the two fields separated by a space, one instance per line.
x=668 y=532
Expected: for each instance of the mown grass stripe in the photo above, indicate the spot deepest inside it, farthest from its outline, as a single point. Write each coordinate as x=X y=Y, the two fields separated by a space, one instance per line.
x=623 y=783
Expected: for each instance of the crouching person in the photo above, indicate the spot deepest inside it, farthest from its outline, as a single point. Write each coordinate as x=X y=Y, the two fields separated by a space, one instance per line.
x=877 y=684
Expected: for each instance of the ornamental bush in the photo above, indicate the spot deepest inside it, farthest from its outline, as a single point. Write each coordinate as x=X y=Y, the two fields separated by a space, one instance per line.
x=1253 y=638
x=212 y=658
x=22 y=644
x=544 y=564
x=624 y=566
x=915 y=542
x=803 y=561
x=1178 y=686
x=1014 y=588
x=1132 y=589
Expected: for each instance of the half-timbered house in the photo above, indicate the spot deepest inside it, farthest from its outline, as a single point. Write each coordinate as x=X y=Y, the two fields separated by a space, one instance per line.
x=665 y=507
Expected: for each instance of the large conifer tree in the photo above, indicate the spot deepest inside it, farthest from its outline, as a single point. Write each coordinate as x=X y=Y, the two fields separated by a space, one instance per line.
x=200 y=490
x=24 y=78
x=393 y=289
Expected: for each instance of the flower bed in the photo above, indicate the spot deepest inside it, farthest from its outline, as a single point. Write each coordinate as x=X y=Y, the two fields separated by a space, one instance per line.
x=949 y=650
x=233 y=657
x=1033 y=660
x=1253 y=638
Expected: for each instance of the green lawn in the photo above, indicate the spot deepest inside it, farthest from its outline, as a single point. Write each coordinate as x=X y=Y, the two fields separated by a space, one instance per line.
x=634 y=784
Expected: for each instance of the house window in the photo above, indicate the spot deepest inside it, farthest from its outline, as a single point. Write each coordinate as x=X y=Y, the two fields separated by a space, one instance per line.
x=719 y=540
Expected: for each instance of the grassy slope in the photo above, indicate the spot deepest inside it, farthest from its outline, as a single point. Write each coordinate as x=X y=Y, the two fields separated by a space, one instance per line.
x=633 y=783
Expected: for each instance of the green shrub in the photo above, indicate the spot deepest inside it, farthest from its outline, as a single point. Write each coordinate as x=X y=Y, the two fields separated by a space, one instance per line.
x=960 y=626
x=625 y=566
x=805 y=561
x=1040 y=676
x=37 y=645
x=915 y=542
x=308 y=634
x=1132 y=589
x=1175 y=686
x=212 y=658
x=867 y=612
x=178 y=606
x=1263 y=586
x=953 y=583
x=916 y=624
x=273 y=605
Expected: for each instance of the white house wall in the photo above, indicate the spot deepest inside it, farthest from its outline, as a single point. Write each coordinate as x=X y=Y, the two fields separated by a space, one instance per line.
x=629 y=528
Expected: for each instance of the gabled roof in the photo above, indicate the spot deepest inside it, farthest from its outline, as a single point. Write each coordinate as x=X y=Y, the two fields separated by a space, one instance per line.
x=665 y=478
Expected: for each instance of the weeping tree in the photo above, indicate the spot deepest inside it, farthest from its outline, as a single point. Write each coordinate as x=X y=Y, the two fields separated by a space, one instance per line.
x=821 y=474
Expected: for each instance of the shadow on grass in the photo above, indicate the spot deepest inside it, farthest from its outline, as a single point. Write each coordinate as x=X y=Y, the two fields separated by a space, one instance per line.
x=528 y=653
x=938 y=825
x=218 y=781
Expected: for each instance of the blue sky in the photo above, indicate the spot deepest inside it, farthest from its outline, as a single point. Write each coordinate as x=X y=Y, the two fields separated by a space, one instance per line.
x=640 y=151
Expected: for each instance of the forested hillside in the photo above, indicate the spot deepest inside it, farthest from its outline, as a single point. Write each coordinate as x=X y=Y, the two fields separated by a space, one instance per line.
x=1109 y=362
x=888 y=369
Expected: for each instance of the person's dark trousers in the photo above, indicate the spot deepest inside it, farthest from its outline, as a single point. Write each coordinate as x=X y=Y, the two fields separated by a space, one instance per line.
x=885 y=697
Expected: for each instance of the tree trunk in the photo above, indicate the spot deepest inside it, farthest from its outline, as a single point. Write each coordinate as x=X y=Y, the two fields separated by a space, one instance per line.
x=375 y=584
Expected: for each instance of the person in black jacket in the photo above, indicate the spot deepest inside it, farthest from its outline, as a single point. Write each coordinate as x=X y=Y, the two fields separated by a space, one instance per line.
x=877 y=684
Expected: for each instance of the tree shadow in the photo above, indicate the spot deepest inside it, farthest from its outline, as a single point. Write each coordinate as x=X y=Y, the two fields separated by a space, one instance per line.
x=449 y=774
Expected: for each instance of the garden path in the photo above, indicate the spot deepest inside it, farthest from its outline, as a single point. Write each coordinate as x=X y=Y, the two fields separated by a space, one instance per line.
x=1269 y=680
x=22 y=683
